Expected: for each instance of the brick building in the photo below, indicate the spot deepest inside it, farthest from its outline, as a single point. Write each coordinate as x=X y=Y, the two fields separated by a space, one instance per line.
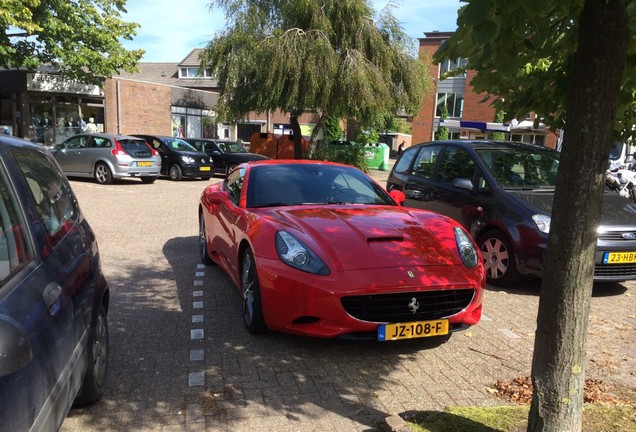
x=161 y=98
x=175 y=99
x=469 y=116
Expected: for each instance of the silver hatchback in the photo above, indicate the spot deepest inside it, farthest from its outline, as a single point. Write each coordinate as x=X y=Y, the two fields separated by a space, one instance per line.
x=106 y=157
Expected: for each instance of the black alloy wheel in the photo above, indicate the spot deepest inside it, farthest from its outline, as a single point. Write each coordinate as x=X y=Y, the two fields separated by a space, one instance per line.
x=94 y=381
x=203 y=242
x=175 y=173
x=252 y=305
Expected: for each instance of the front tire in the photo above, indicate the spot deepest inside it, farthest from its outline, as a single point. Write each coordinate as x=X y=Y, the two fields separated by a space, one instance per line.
x=250 y=288
x=203 y=242
x=148 y=180
x=94 y=381
x=175 y=173
x=499 y=259
x=103 y=175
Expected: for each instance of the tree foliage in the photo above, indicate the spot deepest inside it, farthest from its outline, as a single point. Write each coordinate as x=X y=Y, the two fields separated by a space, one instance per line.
x=334 y=131
x=80 y=38
x=442 y=131
x=498 y=135
x=529 y=47
x=572 y=62
x=329 y=56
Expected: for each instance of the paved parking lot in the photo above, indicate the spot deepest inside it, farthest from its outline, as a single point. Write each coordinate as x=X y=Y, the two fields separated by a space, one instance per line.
x=182 y=360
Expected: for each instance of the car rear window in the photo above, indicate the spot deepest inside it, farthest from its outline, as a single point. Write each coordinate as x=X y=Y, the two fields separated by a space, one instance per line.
x=130 y=145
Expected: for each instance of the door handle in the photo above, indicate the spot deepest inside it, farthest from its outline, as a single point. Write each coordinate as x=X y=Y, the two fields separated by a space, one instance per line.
x=414 y=194
x=51 y=297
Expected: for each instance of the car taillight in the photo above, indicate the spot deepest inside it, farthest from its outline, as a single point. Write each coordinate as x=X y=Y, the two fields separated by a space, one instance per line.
x=153 y=151
x=118 y=151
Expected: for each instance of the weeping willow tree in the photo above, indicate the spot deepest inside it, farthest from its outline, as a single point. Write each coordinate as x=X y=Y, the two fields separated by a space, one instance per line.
x=336 y=58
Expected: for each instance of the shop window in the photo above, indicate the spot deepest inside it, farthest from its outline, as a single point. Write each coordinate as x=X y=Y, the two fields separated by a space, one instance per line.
x=188 y=122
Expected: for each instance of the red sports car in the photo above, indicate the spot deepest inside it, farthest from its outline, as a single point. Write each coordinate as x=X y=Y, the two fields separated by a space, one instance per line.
x=320 y=249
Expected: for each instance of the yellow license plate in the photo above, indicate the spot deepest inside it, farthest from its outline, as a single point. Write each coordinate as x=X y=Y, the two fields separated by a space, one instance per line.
x=619 y=257
x=144 y=164
x=204 y=168
x=412 y=330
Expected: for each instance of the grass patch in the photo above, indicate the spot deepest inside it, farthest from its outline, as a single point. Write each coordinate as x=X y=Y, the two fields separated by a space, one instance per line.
x=596 y=418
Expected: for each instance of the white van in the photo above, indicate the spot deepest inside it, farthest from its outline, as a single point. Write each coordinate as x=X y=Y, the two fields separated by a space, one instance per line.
x=621 y=155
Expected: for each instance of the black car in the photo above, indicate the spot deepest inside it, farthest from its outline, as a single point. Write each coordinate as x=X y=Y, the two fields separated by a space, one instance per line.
x=225 y=154
x=502 y=193
x=53 y=296
x=179 y=159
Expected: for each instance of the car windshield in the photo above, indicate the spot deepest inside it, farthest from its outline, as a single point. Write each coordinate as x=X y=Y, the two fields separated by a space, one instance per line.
x=232 y=147
x=522 y=167
x=296 y=184
x=179 y=145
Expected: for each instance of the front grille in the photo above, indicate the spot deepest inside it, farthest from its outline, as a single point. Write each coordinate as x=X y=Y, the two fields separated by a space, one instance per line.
x=627 y=271
x=616 y=235
x=394 y=308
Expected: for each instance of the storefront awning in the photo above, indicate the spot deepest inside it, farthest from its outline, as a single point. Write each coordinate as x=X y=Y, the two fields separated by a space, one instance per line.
x=481 y=126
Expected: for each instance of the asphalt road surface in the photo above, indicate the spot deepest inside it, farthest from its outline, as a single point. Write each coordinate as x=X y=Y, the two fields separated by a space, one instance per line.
x=180 y=358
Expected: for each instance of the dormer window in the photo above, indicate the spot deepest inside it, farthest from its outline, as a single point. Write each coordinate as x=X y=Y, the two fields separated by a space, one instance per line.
x=193 y=72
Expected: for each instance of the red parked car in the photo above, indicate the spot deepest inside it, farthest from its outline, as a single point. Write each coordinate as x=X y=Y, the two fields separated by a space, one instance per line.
x=320 y=249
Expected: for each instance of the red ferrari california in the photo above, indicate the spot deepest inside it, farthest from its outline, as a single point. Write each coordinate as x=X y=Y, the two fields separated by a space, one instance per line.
x=320 y=249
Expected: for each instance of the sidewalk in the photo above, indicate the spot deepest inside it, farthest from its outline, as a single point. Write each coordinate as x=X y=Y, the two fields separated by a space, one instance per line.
x=382 y=176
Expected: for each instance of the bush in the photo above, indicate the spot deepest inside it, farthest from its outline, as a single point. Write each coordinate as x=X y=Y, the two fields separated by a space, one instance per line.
x=350 y=154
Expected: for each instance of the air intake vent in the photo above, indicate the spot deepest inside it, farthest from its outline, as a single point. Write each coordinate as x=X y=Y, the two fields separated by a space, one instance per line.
x=385 y=239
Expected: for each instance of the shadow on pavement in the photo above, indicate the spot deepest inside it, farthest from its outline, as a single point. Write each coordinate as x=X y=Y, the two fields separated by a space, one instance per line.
x=265 y=379
x=436 y=421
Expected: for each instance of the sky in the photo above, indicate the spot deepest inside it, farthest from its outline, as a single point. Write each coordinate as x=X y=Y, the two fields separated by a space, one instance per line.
x=171 y=29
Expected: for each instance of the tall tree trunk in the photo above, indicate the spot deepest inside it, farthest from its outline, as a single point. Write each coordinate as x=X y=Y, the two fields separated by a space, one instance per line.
x=558 y=365
x=298 y=135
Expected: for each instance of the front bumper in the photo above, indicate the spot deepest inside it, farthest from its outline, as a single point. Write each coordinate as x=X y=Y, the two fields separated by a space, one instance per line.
x=301 y=303
x=197 y=171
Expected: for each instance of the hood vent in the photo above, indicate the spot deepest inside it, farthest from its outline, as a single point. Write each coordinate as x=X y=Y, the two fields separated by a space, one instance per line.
x=385 y=239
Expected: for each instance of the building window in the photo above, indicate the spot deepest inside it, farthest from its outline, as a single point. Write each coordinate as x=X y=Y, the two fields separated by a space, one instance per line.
x=193 y=72
x=190 y=122
x=450 y=65
x=538 y=139
x=454 y=104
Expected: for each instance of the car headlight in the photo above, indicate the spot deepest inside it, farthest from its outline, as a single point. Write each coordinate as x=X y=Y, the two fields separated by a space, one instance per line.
x=466 y=247
x=543 y=222
x=187 y=159
x=295 y=254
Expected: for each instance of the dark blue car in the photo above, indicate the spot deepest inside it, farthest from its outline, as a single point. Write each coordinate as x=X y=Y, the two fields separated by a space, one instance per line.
x=225 y=154
x=53 y=295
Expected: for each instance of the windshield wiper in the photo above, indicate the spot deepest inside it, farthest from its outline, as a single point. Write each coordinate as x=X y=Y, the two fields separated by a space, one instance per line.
x=276 y=204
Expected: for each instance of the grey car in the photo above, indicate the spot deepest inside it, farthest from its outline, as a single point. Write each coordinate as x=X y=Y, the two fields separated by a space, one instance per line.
x=502 y=193
x=107 y=157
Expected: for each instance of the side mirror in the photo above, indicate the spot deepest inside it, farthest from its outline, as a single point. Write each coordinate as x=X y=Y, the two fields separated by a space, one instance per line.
x=463 y=183
x=216 y=197
x=398 y=196
x=15 y=347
